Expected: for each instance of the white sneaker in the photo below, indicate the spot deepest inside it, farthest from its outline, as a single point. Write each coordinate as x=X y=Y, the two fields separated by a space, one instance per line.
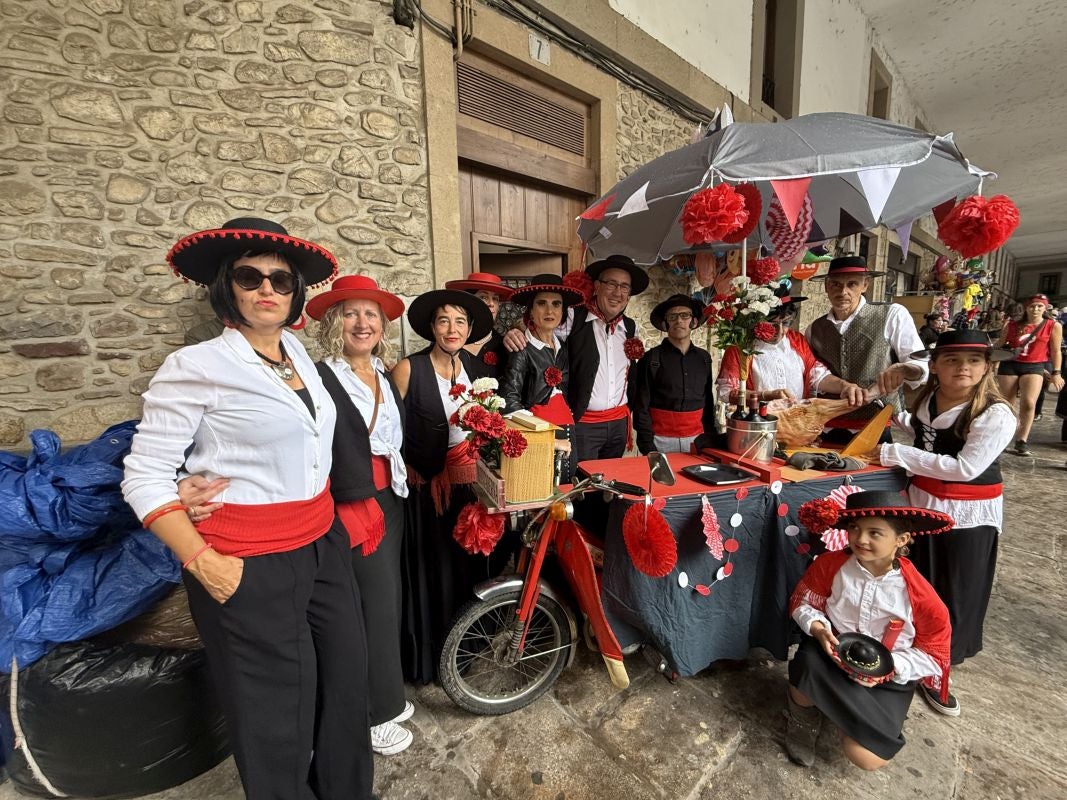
x=388 y=739
x=406 y=714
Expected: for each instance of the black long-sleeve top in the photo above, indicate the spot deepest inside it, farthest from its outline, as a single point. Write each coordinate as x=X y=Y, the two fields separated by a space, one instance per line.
x=674 y=381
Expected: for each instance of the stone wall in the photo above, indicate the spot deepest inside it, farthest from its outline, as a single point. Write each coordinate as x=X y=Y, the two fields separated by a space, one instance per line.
x=128 y=123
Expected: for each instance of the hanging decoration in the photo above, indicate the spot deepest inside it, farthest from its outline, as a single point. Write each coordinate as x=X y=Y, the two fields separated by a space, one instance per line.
x=710 y=214
x=718 y=546
x=788 y=240
x=978 y=225
x=649 y=540
x=477 y=531
x=754 y=207
x=877 y=186
x=712 y=532
x=792 y=196
x=763 y=271
x=580 y=281
x=636 y=202
x=597 y=210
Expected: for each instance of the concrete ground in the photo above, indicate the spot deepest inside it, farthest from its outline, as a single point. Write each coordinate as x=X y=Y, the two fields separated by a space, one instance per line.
x=719 y=735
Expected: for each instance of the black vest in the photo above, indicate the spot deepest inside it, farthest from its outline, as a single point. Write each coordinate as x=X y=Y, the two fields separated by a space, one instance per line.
x=948 y=442
x=351 y=477
x=426 y=425
x=585 y=359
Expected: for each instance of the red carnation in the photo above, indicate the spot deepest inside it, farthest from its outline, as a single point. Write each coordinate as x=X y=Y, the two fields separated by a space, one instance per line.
x=580 y=282
x=495 y=426
x=454 y=419
x=456 y=390
x=478 y=531
x=553 y=376
x=764 y=331
x=819 y=514
x=711 y=214
x=978 y=226
x=753 y=205
x=649 y=540
x=763 y=270
x=490 y=358
x=633 y=348
x=475 y=418
x=513 y=444
x=727 y=313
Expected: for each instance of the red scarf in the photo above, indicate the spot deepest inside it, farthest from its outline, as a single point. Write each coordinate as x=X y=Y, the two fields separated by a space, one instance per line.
x=594 y=309
x=933 y=632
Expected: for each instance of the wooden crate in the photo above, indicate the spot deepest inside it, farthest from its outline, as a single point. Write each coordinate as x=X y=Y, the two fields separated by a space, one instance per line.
x=528 y=477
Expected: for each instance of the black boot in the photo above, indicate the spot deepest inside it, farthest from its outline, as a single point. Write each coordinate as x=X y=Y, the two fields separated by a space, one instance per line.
x=802 y=731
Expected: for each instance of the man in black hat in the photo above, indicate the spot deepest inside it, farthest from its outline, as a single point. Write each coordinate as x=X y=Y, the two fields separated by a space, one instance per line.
x=932 y=328
x=672 y=399
x=602 y=347
x=865 y=344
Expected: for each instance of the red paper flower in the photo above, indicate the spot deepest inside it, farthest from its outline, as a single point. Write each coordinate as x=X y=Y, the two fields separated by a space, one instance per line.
x=580 y=282
x=490 y=358
x=819 y=514
x=764 y=270
x=727 y=313
x=478 y=531
x=711 y=214
x=553 y=376
x=764 y=331
x=753 y=205
x=456 y=390
x=513 y=444
x=712 y=533
x=651 y=545
x=634 y=348
x=978 y=225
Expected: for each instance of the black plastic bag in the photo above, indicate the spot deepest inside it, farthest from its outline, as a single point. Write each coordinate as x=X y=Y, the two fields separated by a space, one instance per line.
x=116 y=721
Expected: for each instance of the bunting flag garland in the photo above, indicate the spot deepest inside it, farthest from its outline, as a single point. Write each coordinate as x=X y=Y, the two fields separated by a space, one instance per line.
x=598 y=210
x=941 y=210
x=904 y=235
x=791 y=194
x=636 y=202
x=877 y=186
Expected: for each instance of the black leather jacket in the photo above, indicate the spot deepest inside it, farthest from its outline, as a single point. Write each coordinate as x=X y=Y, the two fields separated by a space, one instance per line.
x=523 y=384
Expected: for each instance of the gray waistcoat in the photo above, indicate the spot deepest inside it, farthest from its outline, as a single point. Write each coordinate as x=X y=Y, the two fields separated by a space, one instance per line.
x=862 y=353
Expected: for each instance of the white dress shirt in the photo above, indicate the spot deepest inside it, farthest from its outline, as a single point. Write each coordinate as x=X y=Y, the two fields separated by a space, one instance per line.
x=388 y=435
x=456 y=434
x=242 y=422
x=609 y=385
x=899 y=330
x=859 y=602
x=990 y=432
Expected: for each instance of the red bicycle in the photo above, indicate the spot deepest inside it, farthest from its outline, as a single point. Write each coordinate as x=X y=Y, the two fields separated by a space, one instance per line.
x=508 y=646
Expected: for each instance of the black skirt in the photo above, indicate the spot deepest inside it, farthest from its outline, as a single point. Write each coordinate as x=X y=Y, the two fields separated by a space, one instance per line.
x=871 y=716
x=960 y=566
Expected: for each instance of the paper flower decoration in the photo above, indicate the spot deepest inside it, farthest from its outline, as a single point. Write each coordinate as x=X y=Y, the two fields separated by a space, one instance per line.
x=490 y=358
x=634 y=348
x=753 y=205
x=788 y=242
x=764 y=331
x=978 y=225
x=711 y=214
x=478 y=531
x=512 y=443
x=649 y=540
x=553 y=376
x=763 y=270
x=712 y=532
x=580 y=282
x=819 y=514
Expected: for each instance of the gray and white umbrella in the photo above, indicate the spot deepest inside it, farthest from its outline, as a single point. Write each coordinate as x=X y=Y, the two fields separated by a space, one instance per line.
x=863 y=172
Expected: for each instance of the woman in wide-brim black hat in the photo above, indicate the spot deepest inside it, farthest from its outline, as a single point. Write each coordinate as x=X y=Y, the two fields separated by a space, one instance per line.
x=271 y=565
x=442 y=467
x=536 y=377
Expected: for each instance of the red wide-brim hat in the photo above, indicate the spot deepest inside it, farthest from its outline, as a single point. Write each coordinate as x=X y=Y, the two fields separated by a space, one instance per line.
x=198 y=256
x=355 y=287
x=482 y=282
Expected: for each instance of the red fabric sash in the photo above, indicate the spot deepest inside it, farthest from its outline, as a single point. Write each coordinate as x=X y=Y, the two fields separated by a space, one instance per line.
x=555 y=411
x=957 y=491
x=365 y=523
x=677 y=423
x=255 y=530
x=381 y=472
x=933 y=631
x=607 y=415
x=461 y=466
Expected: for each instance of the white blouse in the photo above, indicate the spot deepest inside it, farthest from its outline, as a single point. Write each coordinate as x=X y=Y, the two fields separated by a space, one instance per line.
x=990 y=432
x=237 y=420
x=456 y=434
x=388 y=435
x=859 y=602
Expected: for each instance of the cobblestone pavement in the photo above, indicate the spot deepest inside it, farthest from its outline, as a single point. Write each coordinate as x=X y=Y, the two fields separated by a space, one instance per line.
x=720 y=734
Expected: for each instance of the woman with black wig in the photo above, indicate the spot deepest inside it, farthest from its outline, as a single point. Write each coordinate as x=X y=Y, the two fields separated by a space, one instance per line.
x=269 y=572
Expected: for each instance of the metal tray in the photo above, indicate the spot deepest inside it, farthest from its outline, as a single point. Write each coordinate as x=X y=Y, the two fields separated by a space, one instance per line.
x=718 y=474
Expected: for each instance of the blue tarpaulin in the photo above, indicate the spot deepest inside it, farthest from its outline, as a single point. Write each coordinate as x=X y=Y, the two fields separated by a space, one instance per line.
x=74 y=560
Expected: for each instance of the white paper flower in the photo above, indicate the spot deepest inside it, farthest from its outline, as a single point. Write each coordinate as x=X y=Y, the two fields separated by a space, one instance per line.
x=484 y=385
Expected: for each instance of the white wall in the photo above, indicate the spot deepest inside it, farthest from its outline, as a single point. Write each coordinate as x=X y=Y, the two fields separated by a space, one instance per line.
x=715 y=36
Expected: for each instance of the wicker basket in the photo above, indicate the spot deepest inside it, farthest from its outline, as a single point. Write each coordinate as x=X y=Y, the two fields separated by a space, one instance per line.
x=528 y=477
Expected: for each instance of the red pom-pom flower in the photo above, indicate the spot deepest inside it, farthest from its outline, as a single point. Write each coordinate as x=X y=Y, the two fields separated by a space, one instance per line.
x=634 y=348
x=478 y=531
x=649 y=540
x=753 y=205
x=819 y=514
x=580 y=282
x=764 y=331
x=490 y=358
x=764 y=270
x=978 y=225
x=711 y=214
x=553 y=376
x=512 y=443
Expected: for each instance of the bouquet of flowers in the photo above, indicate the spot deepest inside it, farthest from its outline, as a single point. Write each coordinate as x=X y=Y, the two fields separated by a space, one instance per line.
x=480 y=416
x=740 y=317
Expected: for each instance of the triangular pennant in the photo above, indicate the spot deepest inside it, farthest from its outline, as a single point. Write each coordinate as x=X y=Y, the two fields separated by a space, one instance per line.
x=904 y=234
x=599 y=210
x=791 y=196
x=635 y=203
x=849 y=224
x=941 y=210
x=877 y=186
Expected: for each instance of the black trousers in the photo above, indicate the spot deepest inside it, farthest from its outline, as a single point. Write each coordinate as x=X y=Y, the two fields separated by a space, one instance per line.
x=596 y=440
x=378 y=578
x=288 y=655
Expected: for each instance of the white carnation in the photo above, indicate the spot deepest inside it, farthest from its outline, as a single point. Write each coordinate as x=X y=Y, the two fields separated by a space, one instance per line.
x=740 y=282
x=747 y=310
x=484 y=385
x=760 y=307
x=495 y=403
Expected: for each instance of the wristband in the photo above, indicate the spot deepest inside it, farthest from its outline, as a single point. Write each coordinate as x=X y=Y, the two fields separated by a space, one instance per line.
x=197 y=555
x=170 y=508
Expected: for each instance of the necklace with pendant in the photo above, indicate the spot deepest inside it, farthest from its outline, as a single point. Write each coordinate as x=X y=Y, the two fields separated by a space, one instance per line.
x=281 y=369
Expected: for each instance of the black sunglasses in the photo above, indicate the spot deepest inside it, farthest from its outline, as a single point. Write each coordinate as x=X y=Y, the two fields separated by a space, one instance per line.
x=250 y=279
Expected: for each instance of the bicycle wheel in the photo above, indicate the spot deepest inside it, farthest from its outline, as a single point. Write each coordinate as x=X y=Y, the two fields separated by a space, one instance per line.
x=478 y=670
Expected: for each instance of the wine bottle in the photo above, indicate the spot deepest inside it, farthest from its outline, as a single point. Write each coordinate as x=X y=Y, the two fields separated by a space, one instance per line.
x=741 y=411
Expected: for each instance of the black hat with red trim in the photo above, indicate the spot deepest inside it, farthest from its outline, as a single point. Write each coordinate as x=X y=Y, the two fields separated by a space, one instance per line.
x=863 y=657
x=547 y=282
x=894 y=506
x=638 y=277
x=787 y=303
x=964 y=340
x=198 y=256
x=658 y=317
x=844 y=266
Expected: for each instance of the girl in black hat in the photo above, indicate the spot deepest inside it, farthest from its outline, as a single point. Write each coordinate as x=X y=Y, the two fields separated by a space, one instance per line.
x=268 y=574
x=869 y=589
x=961 y=424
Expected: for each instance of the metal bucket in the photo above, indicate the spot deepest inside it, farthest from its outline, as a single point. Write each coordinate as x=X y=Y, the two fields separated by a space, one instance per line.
x=752 y=439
